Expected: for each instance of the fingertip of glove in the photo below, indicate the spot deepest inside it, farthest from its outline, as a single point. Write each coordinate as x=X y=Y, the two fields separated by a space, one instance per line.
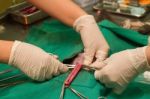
x=96 y=75
x=86 y=62
x=98 y=64
x=64 y=69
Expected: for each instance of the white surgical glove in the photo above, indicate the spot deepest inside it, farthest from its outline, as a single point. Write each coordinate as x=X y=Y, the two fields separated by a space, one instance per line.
x=35 y=62
x=94 y=43
x=121 y=68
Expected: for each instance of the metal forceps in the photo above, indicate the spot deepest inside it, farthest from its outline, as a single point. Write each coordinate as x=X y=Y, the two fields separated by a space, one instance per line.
x=104 y=93
x=71 y=66
x=68 y=81
x=8 y=84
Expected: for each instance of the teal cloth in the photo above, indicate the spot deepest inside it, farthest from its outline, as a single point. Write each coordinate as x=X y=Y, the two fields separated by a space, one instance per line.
x=120 y=39
x=55 y=37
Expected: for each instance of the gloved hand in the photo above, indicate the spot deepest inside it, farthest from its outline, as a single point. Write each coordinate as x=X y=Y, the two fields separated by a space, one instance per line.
x=94 y=43
x=121 y=68
x=35 y=62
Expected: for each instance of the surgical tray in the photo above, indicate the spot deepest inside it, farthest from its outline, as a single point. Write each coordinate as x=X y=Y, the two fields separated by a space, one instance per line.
x=135 y=11
x=28 y=14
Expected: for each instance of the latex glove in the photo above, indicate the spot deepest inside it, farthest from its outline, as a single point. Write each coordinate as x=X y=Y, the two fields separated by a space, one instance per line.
x=94 y=43
x=35 y=62
x=121 y=68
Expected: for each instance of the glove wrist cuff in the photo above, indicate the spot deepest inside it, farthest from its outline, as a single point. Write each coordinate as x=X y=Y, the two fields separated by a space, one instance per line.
x=14 y=47
x=83 y=21
x=146 y=59
x=139 y=59
x=146 y=56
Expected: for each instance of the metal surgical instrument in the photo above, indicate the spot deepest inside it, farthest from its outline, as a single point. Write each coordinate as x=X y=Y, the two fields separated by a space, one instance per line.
x=104 y=93
x=8 y=84
x=71 y=66
x=69 y=80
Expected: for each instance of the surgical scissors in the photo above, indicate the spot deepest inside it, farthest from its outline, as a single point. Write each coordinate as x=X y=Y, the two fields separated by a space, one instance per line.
x=69 y=80
x=103 y=94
